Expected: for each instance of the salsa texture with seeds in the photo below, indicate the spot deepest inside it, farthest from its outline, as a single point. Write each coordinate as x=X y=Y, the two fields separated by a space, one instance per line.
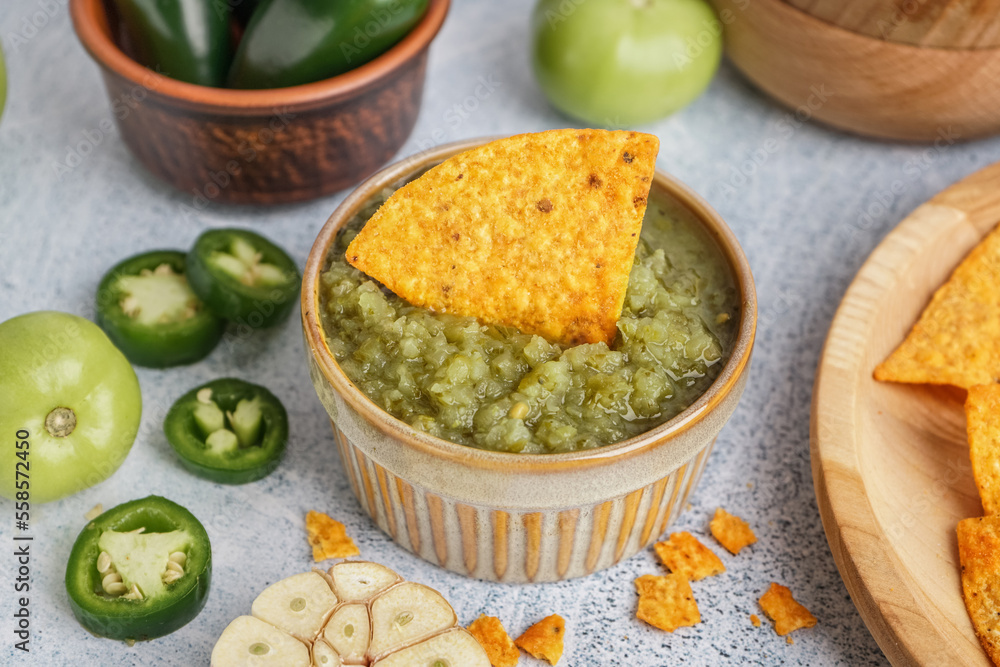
x=499 y=389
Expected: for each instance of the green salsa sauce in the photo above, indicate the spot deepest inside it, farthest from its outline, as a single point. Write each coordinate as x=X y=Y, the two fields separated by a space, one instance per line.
x=496 y=388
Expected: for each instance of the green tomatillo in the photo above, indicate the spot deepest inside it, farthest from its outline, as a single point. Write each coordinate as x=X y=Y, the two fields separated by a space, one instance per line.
x=619 y=63
x=71 y=396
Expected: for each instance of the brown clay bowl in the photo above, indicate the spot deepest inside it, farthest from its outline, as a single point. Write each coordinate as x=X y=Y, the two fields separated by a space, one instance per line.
x=862 y=83
x=262 y=146
x=520 y=518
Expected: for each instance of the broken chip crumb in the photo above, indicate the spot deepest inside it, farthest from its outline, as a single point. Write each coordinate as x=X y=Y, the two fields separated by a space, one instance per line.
x=666 y=602
x=328 y=537
x=954 y=340
x=787 y=614
x=542 y=229
x=982 y=412
x=979 y=554
x=755 y=620
x=789 y=640
x=544 y=639
x=490 y=633
x=94 y=512
x=683 y=554
x=731 y=531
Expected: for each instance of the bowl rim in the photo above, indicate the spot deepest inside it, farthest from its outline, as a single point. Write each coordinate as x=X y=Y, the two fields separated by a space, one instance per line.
x=91 y=26
x=402 y=433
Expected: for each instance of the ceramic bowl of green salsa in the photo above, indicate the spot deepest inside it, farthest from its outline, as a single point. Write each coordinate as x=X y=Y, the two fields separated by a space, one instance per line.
x=507 y=457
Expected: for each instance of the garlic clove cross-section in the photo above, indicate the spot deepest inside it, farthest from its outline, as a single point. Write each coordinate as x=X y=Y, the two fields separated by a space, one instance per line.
x=299 y=605
x=349 y=632
x=455 y=648
x=358 y=580
x=251 y=641
x=358 y=613
x=324 y=656
x=407 y=613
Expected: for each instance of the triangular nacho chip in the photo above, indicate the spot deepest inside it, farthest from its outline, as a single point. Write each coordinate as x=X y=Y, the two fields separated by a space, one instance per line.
x=537 y=231
x=979 y=553
x=955 y=341
x=982 y=413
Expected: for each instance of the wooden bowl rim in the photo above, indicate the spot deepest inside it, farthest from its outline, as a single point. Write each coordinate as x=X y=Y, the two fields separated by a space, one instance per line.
x=850 y=34
x=90 y=22
x=400 y=432
x=888 y=90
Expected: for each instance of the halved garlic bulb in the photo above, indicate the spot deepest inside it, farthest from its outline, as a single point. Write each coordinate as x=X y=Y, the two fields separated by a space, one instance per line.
x=358 y=613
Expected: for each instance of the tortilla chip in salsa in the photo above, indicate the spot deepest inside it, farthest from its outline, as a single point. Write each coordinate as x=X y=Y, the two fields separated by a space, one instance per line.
x=535 y=231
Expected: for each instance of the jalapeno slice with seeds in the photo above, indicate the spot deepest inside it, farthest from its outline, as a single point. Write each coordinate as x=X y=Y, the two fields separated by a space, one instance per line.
x=140 y=570
x=149 y=311
x=228 y=431
x=243 y=277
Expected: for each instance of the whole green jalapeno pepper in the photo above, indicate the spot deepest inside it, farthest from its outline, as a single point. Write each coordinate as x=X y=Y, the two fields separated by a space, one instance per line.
x=186 y=40
x=291 y=42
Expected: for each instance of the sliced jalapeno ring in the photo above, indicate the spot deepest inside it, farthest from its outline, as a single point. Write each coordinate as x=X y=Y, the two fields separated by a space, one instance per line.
x=228 y=431
x=139 y=570
x=243 y=277
x=149 y=311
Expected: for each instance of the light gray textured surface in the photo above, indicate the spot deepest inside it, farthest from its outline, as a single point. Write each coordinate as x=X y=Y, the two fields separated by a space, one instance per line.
x=799 y=212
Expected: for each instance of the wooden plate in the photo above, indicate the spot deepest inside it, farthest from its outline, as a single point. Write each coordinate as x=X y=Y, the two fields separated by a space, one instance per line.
x=891 y=462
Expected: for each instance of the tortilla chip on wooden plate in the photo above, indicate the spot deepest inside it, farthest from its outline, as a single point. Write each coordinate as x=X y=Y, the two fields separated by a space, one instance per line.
x=979 y=553
x=955 y=341
x=982 y=412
